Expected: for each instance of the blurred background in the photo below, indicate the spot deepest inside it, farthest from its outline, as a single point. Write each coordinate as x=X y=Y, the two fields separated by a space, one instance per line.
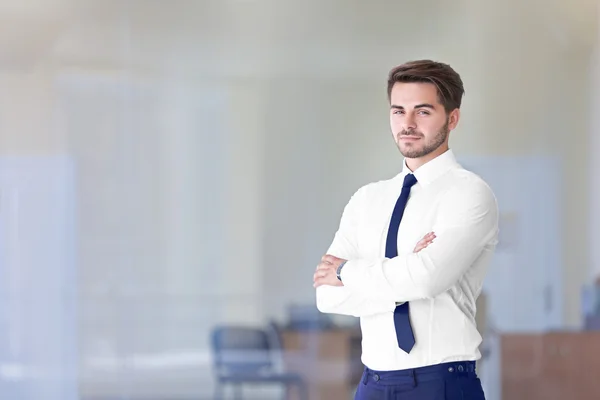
x=171 y=173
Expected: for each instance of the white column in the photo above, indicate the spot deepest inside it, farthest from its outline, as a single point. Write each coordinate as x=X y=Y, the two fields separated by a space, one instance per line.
x=213 y=153
x=244 y=188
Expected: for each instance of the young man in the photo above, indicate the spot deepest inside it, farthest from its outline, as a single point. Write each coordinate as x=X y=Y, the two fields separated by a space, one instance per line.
x=411 y=252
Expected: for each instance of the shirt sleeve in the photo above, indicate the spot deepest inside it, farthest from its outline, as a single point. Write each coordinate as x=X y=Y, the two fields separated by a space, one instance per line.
x=466 y=224
x=342 y=299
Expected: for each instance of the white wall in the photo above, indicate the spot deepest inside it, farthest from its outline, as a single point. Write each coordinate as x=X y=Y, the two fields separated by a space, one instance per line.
x=594 y=161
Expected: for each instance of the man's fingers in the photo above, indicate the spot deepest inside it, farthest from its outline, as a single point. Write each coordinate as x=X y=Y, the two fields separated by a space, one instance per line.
x=426 y=241
x=320 y=274
x=423 y=242
x=325 y=281
x=428 y=238
x=324 y=267
x=325 y=274
x=328 y=258
x=318 y=282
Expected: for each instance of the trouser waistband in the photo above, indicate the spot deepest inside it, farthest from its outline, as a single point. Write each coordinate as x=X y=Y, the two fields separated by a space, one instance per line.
x=462 y=368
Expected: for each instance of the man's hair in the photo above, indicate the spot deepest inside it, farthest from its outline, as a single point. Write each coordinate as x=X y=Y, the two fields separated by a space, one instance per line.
x=448 y=83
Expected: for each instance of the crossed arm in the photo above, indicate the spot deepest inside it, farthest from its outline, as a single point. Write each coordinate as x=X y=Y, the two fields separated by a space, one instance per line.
x=334 y=297
x=467 y=222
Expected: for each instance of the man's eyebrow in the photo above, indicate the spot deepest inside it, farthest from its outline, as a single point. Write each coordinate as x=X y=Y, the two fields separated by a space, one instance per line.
x=423 y=105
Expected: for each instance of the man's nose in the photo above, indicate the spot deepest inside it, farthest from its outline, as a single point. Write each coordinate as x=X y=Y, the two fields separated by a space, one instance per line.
x=409 y=123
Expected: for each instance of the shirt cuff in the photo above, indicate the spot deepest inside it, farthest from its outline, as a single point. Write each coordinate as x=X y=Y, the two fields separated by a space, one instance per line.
x=351 y=273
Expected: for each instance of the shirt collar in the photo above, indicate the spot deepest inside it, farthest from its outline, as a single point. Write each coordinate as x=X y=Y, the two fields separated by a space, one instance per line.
x=433 y=169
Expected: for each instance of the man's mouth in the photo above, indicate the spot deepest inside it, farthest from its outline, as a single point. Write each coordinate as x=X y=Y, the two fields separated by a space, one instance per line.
x=406 y=137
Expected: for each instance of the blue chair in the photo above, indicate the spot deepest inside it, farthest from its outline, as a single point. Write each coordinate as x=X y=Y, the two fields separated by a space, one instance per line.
x=244 y=355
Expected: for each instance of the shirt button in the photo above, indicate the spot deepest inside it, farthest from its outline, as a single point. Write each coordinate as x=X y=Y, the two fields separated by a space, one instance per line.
x=376 y=377
x=451 y=369
x=460 y=368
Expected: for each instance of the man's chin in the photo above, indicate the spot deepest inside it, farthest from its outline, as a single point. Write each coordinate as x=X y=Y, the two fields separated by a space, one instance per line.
x=410 y=152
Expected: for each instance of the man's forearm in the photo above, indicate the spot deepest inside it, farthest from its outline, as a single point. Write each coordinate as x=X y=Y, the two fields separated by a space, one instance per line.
x=342 y=300
x=376 y=277
x=413 y=276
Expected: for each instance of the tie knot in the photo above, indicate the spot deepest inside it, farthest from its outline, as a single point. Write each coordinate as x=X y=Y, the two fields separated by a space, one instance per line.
x=409 y=181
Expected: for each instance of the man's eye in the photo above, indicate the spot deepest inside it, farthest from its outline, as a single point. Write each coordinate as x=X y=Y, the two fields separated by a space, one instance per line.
x=423 y=112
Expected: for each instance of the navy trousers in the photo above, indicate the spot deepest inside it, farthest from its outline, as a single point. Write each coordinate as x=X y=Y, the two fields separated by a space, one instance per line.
x=448 y=381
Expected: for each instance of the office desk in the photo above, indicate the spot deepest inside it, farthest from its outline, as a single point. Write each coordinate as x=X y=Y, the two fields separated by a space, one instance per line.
x=551 y=366
x=329 y=361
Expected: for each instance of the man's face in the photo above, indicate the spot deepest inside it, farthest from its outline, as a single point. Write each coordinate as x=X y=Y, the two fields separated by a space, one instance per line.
x=419 y=122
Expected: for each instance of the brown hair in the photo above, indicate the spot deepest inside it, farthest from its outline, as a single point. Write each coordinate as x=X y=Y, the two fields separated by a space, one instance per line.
x=448 y=83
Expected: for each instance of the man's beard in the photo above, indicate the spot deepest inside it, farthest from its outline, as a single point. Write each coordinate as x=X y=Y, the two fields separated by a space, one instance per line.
x=431 y=146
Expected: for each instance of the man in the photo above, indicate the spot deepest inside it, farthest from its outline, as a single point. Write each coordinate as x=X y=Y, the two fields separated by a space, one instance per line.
x=414 y=284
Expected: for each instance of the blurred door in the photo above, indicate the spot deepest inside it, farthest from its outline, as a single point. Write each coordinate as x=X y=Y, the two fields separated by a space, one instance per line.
x=524 y=279
x=523 y=285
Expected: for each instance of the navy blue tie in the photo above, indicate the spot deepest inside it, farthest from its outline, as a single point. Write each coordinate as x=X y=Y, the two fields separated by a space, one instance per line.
x=404 y=333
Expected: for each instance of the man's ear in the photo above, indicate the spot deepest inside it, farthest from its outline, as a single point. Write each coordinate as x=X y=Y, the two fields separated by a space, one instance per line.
x=453 y=118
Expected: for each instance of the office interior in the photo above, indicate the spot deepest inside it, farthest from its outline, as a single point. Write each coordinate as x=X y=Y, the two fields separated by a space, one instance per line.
x=171 y=172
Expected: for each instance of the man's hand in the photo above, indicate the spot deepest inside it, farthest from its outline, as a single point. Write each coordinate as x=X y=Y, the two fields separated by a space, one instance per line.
x=326 y=273
x=426 y=241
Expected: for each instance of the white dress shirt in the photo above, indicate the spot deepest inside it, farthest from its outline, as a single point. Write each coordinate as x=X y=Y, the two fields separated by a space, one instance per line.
x=441 y=282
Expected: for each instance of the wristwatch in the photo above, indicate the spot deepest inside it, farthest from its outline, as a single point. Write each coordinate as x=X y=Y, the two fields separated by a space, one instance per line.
x=339 y=270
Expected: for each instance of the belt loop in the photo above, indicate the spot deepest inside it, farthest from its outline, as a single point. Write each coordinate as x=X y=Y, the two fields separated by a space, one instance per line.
x=412 y=374
x=365 y=376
